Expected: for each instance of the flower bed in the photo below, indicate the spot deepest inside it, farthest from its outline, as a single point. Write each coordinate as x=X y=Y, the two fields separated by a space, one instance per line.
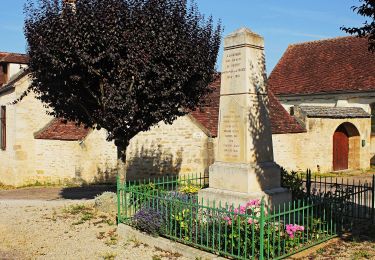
x=245 y=231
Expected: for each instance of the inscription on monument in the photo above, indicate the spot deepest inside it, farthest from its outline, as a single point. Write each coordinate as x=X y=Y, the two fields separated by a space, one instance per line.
x=233 y=65
x=231 y=135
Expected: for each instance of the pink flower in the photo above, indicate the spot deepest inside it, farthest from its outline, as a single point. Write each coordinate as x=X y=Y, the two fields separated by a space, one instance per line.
x=253 y=203
x=228 y=220
x=250 y=221
x=291 y=229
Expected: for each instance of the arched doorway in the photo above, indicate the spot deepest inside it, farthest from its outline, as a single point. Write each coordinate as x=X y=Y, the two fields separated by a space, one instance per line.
x=346 y=145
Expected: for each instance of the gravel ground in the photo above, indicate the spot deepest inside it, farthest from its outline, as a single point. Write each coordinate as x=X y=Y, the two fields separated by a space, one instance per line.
x=65 y=229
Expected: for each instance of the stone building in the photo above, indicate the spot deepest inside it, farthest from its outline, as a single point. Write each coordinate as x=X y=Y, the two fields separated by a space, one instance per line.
x=39 y=148
x=327 y=93
x=329 y=86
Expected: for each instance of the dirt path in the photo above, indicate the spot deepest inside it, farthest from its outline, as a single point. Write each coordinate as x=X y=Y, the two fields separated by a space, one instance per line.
x=55 y=193
x=61 y=229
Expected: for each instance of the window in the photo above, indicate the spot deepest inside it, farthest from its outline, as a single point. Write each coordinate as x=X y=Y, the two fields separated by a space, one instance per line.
x=3 y=128
x=372 y=106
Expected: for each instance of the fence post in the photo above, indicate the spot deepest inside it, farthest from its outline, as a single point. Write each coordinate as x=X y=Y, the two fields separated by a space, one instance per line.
x=308 y=182
x=261 y=231
x=372 y=199
x=118 y=184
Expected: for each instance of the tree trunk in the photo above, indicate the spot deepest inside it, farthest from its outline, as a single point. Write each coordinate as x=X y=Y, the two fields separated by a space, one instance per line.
x=121 y=162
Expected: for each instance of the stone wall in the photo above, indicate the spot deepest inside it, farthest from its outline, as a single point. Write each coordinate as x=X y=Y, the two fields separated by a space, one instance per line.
x=180 y=148
x=363 y=100
x=314 y=149
x=28 y=160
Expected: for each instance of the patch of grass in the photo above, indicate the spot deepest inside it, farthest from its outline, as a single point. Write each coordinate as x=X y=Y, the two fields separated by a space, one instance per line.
x=360 y=254
x=167 y=254
x=113 y=239
x=321 y=251
x=156 y=257
x=136 y=242
x=101 y=235
x=6 y=187
x=75 y=209
x=87 y=216
x=109 y=256
x=79 y=222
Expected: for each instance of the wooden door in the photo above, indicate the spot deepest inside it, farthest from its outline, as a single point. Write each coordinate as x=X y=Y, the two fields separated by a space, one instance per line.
x=340 y=149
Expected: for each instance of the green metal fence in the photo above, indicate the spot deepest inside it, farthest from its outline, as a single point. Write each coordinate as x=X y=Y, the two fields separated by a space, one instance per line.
x=168 y=208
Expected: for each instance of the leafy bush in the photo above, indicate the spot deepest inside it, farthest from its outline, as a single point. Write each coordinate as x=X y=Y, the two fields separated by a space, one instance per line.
x=293 y=183
x=149 y=220
x=190 y=189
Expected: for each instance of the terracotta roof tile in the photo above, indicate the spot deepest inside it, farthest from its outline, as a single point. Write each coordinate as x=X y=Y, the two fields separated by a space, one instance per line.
x=58 y=130
x=209 y=116
x=7 y=57
x=341 y=64
x=281 y=121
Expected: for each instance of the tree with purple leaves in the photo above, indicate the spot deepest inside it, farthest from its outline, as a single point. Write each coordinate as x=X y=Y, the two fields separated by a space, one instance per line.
x=121 y=65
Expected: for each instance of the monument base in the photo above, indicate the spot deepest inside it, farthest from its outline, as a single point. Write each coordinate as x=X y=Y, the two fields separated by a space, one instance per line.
x=273 y=198
x=237 y=183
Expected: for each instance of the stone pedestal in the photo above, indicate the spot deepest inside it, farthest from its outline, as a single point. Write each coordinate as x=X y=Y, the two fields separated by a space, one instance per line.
x=244 y=168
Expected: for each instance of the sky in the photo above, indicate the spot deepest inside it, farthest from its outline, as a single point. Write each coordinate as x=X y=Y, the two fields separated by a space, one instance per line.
x=280 y=22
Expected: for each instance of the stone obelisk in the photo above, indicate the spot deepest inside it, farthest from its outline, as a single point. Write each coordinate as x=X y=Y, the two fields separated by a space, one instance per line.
x=244 y=168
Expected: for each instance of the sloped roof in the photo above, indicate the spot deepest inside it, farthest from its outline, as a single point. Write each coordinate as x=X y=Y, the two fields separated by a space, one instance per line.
x=209 y=116
x=341 y=64
x=7 y=57
x=58 y=130
x=281 y=121
x=334 y=112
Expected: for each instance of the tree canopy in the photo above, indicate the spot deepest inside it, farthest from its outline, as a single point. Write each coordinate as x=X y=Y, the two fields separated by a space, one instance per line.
x=121 y=65
x=366 y=9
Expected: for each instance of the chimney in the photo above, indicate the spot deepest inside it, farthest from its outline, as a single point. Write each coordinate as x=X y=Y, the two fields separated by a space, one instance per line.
x=3 y=73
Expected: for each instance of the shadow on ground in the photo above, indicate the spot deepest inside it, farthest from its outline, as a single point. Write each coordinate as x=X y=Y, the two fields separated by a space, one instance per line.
x=85 y=192
x=56 y=193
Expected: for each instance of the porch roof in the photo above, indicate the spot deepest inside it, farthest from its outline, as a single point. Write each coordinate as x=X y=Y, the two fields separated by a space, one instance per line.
x=334 y=112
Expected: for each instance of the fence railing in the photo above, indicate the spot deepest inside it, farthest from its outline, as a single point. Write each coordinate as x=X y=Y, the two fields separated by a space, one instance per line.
x=170 y=207
x=356 y=196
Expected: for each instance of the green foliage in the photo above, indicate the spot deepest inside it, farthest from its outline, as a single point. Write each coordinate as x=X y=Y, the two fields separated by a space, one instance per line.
x=293 y=183
x=366 y=9
x=121 y=65
x=183 y=219
x=190 y=189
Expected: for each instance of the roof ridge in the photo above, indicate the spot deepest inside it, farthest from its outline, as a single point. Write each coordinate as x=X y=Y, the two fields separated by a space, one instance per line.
x=322 y=40
x=7 y=53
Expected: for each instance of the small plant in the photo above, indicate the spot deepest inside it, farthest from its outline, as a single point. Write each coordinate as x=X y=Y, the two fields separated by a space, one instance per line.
x=109 y=256
x=293 y=183
x=156 y=257
x=149 y=220
x=190 y=189
x=75 y=209
x=136 y=242
x=112 y=241
x=182 y=219
x=6 y=187
x=360 y=254
x=294 y=233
